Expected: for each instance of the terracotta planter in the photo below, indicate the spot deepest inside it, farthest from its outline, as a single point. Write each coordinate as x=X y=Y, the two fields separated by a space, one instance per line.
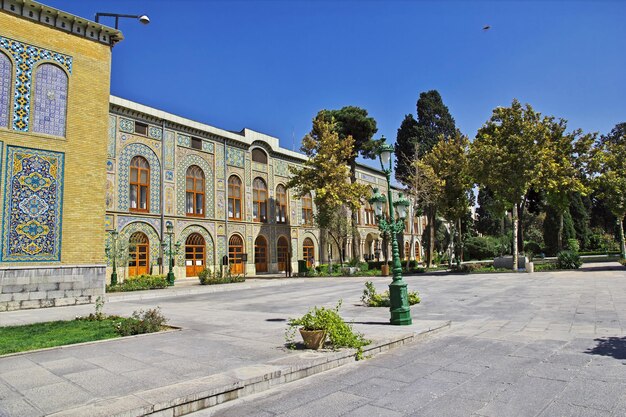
x=384 y=269
x=313 y=339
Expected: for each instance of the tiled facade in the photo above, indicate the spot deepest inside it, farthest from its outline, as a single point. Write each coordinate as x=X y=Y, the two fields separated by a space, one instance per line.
x=219 y=154
x=54 y=90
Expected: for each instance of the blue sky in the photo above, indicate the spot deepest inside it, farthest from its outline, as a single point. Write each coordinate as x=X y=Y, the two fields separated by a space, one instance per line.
x=271 y=65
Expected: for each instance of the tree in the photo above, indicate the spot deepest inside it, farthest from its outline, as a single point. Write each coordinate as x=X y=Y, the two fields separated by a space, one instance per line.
x=505 y=157
x=327 y=177
x=415 y=139
x=609 y=164
x=353 y=122
x=490 y=212
x=450 y=164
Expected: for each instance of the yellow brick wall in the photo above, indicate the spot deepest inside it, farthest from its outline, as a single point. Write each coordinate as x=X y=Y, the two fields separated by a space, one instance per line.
x=85 y=141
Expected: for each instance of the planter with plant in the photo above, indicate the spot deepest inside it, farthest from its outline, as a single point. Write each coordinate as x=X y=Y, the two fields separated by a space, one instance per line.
x=321 y=324
x=371 y=298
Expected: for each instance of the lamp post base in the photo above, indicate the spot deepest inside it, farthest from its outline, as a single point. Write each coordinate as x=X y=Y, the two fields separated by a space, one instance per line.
x=170 y=278
x=400 y=309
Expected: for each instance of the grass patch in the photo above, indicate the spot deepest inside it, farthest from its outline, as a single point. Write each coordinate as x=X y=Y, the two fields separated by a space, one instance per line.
x=55 y=333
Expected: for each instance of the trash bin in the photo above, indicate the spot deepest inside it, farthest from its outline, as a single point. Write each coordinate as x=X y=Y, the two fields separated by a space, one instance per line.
x=302 y=268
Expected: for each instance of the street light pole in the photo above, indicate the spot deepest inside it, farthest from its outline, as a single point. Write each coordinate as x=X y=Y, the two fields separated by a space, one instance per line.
x=398 y=295
x=170 y=232
x=141 y=17
x=114 y=236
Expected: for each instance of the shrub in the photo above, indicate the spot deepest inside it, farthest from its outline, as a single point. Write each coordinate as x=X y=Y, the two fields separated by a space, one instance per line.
x=364 y=266
x=373 y=299
x=339 y=333
x=622 y=261
x=568 y=260
x=207 y=277
x=573 y=245
x=140 y=282
x=545 y=267
x=481 y=247
x=532 y=247
x=141 y=322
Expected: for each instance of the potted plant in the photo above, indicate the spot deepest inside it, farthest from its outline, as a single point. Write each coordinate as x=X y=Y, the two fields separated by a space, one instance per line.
x=320 y=324
x=530 y=265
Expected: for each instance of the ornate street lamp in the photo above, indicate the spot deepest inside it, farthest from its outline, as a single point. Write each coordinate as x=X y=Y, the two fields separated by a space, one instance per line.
x=400 y=310
x=171 y=253
x=141 y=17
x=113 y=249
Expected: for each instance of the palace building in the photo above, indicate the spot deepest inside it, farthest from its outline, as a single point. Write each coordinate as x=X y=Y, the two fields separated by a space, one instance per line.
x=72 y=156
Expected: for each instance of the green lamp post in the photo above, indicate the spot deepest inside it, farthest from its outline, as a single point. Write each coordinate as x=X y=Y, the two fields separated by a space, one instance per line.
x=113 y=251
x=400 y=310
x=171 y=253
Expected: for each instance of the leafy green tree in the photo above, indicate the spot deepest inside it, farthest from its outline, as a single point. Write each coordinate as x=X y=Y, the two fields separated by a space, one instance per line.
x=579 y=208
x=556 y=219
x=490 y=212
x=326 y=176
x=415 y=140
x=506 y=157
x=354 y=122
x=609 y=164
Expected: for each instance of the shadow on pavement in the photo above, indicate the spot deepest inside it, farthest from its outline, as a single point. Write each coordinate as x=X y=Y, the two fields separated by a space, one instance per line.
x=609 y=346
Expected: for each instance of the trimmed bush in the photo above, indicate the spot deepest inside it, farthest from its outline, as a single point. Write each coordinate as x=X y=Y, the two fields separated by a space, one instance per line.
x=481 y=247
x=568 y=260
x=573 y=245
x=207 y=277
x=140 y=282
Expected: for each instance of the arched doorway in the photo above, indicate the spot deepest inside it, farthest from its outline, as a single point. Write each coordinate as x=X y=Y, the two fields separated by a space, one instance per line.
x=138 y=250
x=417 y=251
x=235 y=254
x=282 y=253
x=308 y=252
x=407 y=251
x=260 y=254
x=195 y=254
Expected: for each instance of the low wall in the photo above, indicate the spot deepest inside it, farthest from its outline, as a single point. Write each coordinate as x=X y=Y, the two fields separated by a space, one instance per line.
x=24 y=287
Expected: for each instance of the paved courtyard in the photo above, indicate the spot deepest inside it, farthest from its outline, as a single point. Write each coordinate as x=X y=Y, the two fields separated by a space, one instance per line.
x=549 y=344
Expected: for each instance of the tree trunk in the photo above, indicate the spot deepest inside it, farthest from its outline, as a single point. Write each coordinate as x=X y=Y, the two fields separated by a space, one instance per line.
x=515 y=247
x=620 y=223
x=353 y=216
x=520 y=231
x=431 y=232
x=460 y=240
x=559 y=234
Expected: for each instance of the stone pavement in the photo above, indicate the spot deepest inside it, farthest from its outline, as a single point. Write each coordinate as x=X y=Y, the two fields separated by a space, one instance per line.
x=546 y=345
x=518 y=346
x=231 y=344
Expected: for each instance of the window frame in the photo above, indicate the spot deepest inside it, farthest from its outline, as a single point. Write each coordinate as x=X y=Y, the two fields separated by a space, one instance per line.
x=307 y=209
x=280 y=207
x=10 y=84
x=258 y=202
x=238 y=199
x=194 y=191
x=139 y=185
x=141 y=124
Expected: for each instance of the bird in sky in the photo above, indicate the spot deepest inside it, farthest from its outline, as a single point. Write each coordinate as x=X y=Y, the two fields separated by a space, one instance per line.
x=486 y=28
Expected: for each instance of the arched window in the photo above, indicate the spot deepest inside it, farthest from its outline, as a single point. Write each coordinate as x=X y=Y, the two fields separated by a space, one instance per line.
x=417 y=251
x=235 y=254
x=195 y=254
x=139 y=184
x=281 y=204
x=259 y=200
x=138 y=250
x=194 y=197
x=234 y=198
x=407 y=251
x=282 y=253
x=307 y=209
x=308 y=252
x=370 y=218
x=259 y=156
x=50 y=100
x=6 y=72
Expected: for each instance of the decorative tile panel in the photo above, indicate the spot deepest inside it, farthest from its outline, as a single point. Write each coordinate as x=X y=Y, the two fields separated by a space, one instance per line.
x=207 y=146
x=183 y=140
x=33 y=204
x=123 y=172
x=6 y=78
x=108 y=222
x=50 y=104
x=169 y=176
x=209 y=182
x=281 y=168
x=110 y=165
x=127 y=125
x=368 y=178
x=208 y=240
x=155 y=132
x=112 y=136
x=221 y=247
x=26 y=58
x=169 y=200
x=109 y=198
x=219 y=162
x=234 y=157
x=169 y=144
x=122 y=221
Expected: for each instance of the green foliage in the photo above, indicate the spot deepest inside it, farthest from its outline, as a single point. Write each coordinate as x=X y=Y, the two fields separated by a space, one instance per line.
x=140 y=282
x=622 y=261
x=363 y=266
x=551 y=226
x=141 y=322
x=339 y=333
x=490 y=213
x=580 y=209
x=568 y=259
x=533 y=248
x=371 y=298
x=481 y=247
x=477 y=268
x=207 y=277
x=546 y=267
x=573 y=245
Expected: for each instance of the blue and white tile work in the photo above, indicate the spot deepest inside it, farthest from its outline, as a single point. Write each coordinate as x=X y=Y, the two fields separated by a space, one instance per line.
x=234 y=157
x=33 y=204
x=50 y=103
x=123 y=172
x=6 y=76
x=27 y=59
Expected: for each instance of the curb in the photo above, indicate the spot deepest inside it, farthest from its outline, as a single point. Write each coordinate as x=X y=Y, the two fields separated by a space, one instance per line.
x=197 y=394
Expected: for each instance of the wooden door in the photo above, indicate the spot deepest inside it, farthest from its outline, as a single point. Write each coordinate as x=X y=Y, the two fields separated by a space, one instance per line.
x=282 y=253
x=235 y=252
x=195 y=254
x=260 y=254
x=139 y=248
x=308 y=252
